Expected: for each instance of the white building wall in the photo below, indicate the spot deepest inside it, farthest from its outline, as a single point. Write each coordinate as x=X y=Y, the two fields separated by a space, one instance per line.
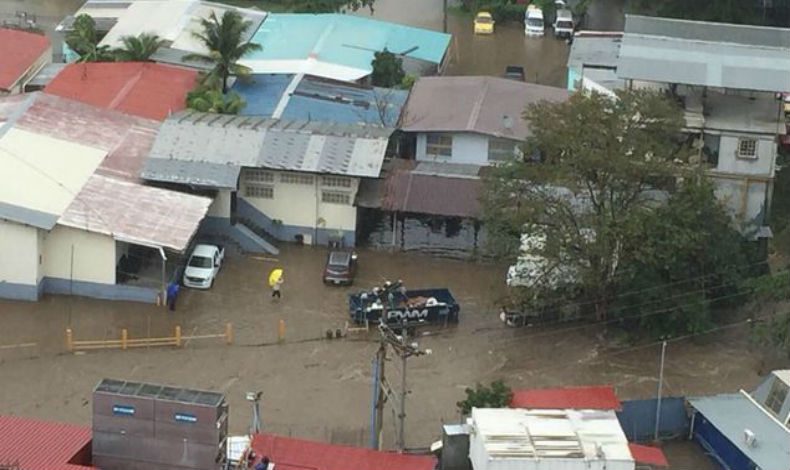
x=467 y=148
x=94 y=255
x=19 y=253
x=220 y=207
x=300 y=205
x=731 y=163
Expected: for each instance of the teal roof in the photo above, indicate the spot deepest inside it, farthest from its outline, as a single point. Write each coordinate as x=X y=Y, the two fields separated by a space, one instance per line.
x=346 y=40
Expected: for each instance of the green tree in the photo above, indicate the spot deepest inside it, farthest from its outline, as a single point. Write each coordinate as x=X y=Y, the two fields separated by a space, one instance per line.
x=330 y=6
x=726 y=11
x=208 y=99
x=387 y=69
x=597 y=167
x=498 y=395
x=224 y=40
x=689 y=265
x=84 y=40
x=772 y=333
x=138 y=48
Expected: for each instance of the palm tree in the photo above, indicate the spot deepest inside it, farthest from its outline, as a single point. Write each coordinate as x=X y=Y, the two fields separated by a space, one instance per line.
x=138 y=48
x=84 y=40
x=209 y=100
x=223 y=39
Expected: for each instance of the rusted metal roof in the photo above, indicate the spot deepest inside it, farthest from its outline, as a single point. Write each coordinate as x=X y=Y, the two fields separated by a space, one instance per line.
x=408 y=189
x=485 y=105
x=40 y=445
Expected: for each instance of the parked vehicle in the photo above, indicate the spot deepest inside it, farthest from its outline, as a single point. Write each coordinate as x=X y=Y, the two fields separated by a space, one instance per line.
x=399 y=306
x=515 y=72
x=563 y=24
x=533 y=21
x=203 y=265
x=340 y=268
x=484 y=23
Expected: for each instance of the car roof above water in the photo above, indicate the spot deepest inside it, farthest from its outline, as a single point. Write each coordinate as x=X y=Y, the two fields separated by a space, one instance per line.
x=204 y=250
x=339 y=258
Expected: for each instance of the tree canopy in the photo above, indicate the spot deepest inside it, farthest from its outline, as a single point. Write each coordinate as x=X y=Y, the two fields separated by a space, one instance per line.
x=138 y=48
x=387 y=69
x=607 y=202
x=330 y=6
x=498 y=395
x=769 y=13
x=84 y=40
x=223 y=37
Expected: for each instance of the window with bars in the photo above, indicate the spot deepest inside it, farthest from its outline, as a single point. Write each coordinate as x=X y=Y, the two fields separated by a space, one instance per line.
x=335 y=197
x=747 y=148
x=335 y=182
x=258 y=176
x=259 y=191
x=296 y=178
x=500 y=149
x=777 y=396
x=439 y=145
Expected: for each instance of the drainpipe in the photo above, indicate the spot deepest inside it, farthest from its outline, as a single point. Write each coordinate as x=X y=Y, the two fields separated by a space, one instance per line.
x=164 y=275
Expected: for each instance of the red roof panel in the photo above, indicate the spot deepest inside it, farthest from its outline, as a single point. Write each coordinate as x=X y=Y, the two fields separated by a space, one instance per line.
x=601 y=397
x=648 y=455
x=42 y=445
x=298 y=454
x=144 y=89
x=18 y=51
x=407 y=191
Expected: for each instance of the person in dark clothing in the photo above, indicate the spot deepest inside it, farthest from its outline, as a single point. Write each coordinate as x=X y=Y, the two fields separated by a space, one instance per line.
x=172 y=294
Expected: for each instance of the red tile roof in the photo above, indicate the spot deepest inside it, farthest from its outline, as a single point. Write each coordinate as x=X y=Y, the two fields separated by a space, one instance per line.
x=602 y=397
x=648 y=455
x=144 y=89
x=18 y=51
x=41 y=445
x=298 y=454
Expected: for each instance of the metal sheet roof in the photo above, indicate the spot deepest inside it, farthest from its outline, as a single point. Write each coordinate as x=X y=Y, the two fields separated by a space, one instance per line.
x=705 y=54
x=47 y=173
x=42 y=445
x=739 y=113
x=337 y=46
x=251 y=141
x=209 y=175
x=306 y=98
x=288 y=453
x=731 y=414
x=159 y=392
x=597 y=50
x=599 y=397
x=19 y=50
x=134 y=213
x=486 y=105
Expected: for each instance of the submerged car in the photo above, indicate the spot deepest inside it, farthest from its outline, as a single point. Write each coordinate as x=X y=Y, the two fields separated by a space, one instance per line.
x=533 y=21
x=341 y=267
x=484 y=23
x=203 y=265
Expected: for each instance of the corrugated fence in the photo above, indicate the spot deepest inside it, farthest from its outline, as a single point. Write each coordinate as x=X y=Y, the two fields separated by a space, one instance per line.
x=638 y=418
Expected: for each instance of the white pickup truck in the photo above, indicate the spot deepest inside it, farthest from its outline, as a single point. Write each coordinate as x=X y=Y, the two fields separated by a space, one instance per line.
x=203 y=266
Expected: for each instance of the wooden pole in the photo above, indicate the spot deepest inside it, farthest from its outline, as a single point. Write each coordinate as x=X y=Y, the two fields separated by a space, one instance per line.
x=228 y=333
x=124 y=338
x=69 y=340
x=178 y=336
x=280 y=330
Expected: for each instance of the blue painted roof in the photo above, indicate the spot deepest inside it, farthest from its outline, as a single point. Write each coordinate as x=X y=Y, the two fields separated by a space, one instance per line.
x=731 y=414
x=316 y=99
x=343 y=39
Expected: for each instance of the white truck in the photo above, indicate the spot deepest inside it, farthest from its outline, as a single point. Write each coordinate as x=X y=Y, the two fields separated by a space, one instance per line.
x=203 y=266
x=533 y=21
x=563 y=24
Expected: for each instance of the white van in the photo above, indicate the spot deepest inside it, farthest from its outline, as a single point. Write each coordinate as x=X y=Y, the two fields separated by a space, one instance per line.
x=563 y=24
x=533 y=21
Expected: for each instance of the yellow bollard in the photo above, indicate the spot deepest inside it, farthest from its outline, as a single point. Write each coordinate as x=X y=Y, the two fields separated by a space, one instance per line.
x=178 y=336
x=124 y=338
x=228 y=333
x=69 y=340
x=280 y=330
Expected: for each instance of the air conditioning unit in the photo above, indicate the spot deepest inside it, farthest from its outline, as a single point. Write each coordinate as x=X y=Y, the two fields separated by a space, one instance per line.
x=749 y=438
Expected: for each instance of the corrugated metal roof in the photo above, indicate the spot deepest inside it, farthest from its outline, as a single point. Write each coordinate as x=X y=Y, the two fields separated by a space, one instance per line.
x=257 y=142
x=486 y=105
x=143 y=89
x=134 y=213
x=706 y=54
x=305 y=98
x=209 y=175
x=599 y=50
x=337 y=46
x=731 y=414
x=287 y=453
x=41 y=445
x=599 y=397
x=736 y=113
x=407 y=190
x=19 y=50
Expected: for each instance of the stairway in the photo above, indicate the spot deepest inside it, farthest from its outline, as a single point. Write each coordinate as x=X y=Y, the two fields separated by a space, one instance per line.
x=250 y=240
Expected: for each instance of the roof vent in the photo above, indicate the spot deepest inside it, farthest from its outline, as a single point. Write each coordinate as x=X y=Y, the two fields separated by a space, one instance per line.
x=749 y=438
x=507 y=122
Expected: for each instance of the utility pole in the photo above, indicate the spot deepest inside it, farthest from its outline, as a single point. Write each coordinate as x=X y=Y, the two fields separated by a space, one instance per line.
x=381 y=359
x=403 y=391
x=444 y=21
x=660 y=385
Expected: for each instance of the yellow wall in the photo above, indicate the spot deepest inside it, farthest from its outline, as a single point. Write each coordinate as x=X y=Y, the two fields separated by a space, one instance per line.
x=94 y=255
x=18 y=253
x=295 y=204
